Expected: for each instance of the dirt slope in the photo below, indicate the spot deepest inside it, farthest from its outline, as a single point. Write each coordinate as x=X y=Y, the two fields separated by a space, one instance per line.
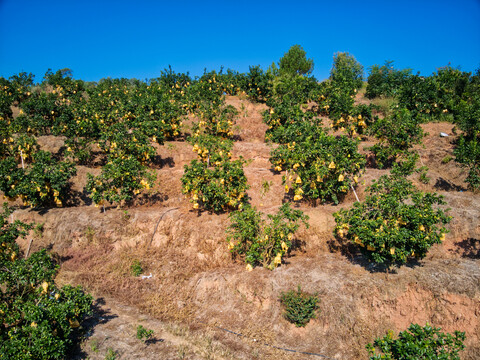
x=196 y=286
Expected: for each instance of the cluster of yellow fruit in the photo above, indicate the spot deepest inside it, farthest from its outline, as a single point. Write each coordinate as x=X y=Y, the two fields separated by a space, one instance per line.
x=6 y=141
x=202 y=152
x=351 y=124
x=7 y=250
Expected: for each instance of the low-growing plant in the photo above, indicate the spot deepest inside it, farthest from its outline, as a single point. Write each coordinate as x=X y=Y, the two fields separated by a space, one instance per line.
x=405 y=163
x=90 y=233
x=423 y=174
x=467 y=153
x=136 y=268
x=394 y=223
x=263 y=242
x=94 y=345
x=418 y=343
x=110 y=354
x=144 y=334
x=38 y=229
x=266 y=186
x=447 y=159
x=300 y=307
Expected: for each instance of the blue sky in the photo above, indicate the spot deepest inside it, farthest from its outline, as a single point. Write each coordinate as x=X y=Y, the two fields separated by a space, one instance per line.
x=138 y=39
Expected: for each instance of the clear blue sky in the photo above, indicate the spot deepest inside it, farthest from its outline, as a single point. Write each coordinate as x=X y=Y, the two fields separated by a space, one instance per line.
x=139 y=38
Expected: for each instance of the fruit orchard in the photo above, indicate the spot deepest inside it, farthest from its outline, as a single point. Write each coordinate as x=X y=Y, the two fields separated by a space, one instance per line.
x=317 y=134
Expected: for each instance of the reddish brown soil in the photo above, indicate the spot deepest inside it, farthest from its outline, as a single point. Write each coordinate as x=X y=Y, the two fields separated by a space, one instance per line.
x=195 y=285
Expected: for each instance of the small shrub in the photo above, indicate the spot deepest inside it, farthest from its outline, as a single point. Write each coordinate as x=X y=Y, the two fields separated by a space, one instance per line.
x=300 y=307
x=423 y=174
x=266 y=186
x=144 y=334
x=94 y=345
x=405 y=164
x=447 y=159
x=136 y=268
x=418 y=343
x=111 y=354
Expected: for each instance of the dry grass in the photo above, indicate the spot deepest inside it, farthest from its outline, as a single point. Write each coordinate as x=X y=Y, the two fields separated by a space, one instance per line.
x=385 y=104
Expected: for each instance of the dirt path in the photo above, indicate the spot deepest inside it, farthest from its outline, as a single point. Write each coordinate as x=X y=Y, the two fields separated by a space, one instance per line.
x=113 y=328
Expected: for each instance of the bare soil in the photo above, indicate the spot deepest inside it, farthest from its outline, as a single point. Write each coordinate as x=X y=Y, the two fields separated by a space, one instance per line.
x=196 y=289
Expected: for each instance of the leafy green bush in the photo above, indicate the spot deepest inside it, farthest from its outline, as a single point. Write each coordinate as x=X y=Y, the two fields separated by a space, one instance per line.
x=418 y=343
x=144 y=334
x=394 y=223
x=136 y=268
x=300 y=307
x=318 y=165
x=43 y=183
x=257 y=84
x=121 y=179
x=37 y=318
x=467 y=153
x=284 y=117
x=385 y=80
x=216 y=120
x=215 y=188
x=263 y=242
x=397 y=134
